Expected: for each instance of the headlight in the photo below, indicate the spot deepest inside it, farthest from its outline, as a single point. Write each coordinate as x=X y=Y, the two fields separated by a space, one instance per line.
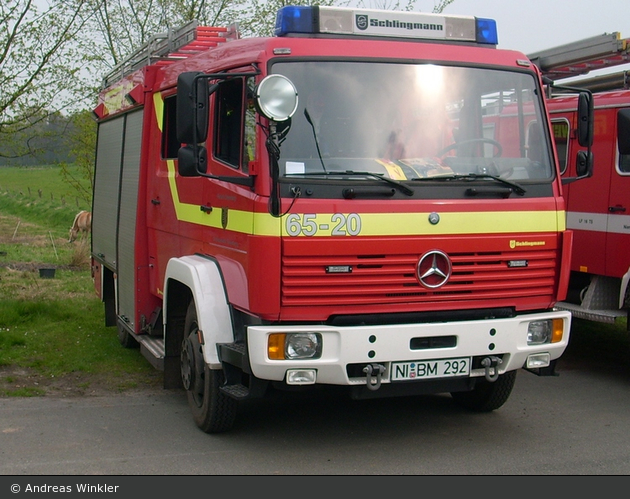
x=547 y=331
x=291 y=346
x=539 y=332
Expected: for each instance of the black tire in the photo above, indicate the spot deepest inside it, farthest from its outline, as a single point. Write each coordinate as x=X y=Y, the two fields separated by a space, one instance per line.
x=126 y=339
x=487 y=396
x=212 y=410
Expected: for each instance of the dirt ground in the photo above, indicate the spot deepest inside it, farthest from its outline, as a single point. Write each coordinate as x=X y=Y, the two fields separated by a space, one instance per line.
x=25 y=382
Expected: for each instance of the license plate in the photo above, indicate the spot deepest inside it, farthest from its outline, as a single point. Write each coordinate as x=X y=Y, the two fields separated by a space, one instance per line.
x=426 y=369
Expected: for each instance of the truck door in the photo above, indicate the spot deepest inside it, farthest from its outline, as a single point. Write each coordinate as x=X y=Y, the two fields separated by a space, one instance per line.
x=231 y=153
x=173 y=204
x=587 y=199
x=618 y=235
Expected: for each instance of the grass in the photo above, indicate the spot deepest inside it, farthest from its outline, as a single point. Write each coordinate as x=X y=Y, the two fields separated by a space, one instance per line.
x=52 y=333
x=39 y=195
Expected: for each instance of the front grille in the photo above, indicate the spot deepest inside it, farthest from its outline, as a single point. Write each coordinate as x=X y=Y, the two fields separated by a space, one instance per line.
x=390 y=279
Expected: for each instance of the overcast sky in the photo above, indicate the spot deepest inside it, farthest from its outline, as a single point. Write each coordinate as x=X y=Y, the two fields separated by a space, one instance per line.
x=534 y=25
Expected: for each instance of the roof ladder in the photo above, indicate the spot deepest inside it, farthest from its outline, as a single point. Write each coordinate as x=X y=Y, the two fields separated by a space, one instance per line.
x=578 y=58
x=175 y=45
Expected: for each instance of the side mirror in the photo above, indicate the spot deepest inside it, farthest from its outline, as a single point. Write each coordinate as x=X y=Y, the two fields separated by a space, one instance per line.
x=584 y=164
x=192 y=108
x=623 y=131
x=585 y=119
x=276 y=97
x=192 y=161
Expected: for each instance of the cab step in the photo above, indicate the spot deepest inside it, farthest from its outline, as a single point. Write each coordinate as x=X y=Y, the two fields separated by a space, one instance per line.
x=238 y=392
x=152 y=349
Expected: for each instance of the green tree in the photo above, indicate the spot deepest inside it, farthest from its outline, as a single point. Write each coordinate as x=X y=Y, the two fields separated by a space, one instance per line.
x=123 y=26
x=40 y=68
x=80 y=142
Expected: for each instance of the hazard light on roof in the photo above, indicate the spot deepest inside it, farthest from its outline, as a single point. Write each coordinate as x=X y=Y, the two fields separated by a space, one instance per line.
x=307 y=19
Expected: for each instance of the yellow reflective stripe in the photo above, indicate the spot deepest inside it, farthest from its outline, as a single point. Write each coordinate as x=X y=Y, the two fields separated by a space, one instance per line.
x=158 y=104
x=266 y=225
x=245 y=222
x=412 y=224
x=179 y=210
x=488 y=222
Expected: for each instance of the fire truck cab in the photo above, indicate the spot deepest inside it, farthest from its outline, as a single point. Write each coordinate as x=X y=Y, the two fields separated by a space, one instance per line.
x=361 y=200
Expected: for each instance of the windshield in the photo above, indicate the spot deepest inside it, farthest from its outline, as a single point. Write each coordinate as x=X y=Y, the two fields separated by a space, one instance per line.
x=413 y=121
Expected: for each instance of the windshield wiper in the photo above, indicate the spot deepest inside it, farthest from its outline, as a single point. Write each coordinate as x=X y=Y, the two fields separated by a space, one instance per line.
x=399 y=185
x=475 y=176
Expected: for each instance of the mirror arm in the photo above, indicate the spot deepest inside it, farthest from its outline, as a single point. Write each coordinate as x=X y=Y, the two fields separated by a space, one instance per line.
x=273 y=148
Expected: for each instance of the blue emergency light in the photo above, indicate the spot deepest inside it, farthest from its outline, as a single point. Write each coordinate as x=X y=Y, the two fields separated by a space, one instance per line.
x=487 y=31
x=313 y=19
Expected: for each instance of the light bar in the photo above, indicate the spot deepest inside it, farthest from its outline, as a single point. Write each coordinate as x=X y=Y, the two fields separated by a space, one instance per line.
x=313 y=19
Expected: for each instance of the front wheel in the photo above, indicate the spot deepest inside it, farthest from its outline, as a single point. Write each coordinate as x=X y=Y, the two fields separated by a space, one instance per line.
x=487 y=395
x=213 y=411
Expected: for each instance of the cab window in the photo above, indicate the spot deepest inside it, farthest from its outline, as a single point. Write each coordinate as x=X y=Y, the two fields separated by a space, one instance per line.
x=561 y=137
x=623 y=140
x=624 y=163
x=229 y=122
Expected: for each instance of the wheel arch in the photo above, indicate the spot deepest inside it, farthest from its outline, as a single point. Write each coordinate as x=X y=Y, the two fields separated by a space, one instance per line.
x=199 y=279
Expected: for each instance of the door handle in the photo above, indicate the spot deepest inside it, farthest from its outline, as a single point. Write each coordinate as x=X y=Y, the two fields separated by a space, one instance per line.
x=615 y=209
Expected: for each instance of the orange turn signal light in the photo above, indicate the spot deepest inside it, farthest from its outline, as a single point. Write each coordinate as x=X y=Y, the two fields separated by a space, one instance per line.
x=275 y=346
x=558 y=330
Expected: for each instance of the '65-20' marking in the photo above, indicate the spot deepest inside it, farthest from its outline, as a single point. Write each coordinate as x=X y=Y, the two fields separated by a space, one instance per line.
x=307 y=224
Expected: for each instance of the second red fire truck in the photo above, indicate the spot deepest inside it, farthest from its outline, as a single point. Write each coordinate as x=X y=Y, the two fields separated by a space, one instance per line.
x=598 y=209
x=356 y=201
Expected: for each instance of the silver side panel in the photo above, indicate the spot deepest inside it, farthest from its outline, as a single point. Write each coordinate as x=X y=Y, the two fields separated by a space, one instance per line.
x=106 y=191
x=127 y=267
x=115 y=205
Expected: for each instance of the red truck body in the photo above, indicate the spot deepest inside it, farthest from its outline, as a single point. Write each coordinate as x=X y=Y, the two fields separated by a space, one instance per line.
x=264 y=266
x=597 y=207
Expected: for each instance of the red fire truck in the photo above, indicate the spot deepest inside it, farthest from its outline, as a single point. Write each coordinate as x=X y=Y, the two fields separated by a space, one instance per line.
x=350 y=202
x=597 y=209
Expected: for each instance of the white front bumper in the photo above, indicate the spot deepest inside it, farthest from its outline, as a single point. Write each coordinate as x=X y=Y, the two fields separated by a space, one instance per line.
x=384 y=344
